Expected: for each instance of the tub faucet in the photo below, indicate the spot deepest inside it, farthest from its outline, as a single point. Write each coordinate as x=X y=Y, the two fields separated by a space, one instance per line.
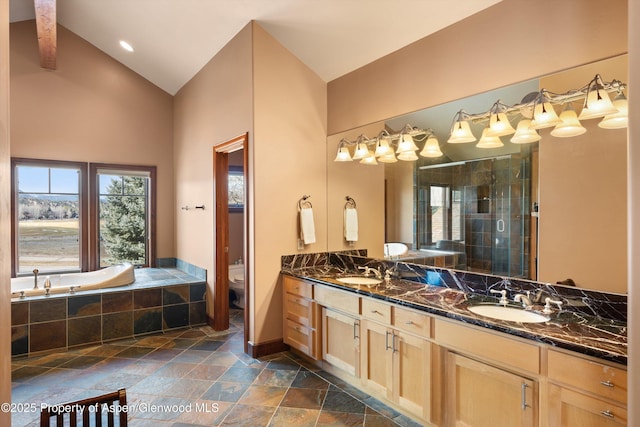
x=47 y=283
x=35 y=278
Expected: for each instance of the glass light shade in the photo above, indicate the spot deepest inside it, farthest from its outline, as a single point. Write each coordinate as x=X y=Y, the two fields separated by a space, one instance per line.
x=362 y=151
x=408 y=156
x=406 y=144
x=388 y=158
x=598 y=105
x=499 y=125
x=621 y=118
x=343 y=155
x=487 y=141
x=570 y=125
x=524 y=134
x=383 y=148
x=544 y=116
x=431 y=148
x=461 y=133
x=369 y=160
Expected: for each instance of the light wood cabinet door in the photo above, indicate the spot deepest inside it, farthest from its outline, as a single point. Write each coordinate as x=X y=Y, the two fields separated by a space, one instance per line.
x=568 y=408
x=412 y=373
x=377 y=358
x=341 y=341
x=480 y=395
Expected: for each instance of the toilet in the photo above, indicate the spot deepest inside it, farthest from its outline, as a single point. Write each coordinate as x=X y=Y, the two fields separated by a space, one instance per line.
x=236 y=284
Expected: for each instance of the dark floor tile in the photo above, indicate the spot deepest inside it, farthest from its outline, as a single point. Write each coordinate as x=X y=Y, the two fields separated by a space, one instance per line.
x=339 y=401
x=303 y=398
x=188 y=388
x=263 y=395
x=340 y=419
x=378 y=421
x=134 y=352
x=26 y=373
x=82 y=362
x=275 y=378
x=287 y=417
x=240 y=375
x=183 y=343
x=206 y=372
x=175 y=369
x=204 y=413
x=225 y=392
x=249 y=416
x=207 y=345
x=307 y=379
x=283 y=364
x=165 y=354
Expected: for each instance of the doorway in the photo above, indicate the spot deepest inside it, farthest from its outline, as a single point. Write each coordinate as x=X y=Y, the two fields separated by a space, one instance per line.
x=230 y=163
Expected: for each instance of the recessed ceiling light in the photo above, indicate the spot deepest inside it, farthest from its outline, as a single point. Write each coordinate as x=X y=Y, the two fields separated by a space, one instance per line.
x=126 y=46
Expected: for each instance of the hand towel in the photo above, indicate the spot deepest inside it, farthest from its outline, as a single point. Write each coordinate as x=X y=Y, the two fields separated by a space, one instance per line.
x=307 y=227
x=350 y=224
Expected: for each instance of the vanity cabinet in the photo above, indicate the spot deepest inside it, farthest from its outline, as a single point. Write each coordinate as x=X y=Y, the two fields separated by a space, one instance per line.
x=340 y=329
x=395 y=364
x=585 y=392
x=301 y=317
x=491 y=380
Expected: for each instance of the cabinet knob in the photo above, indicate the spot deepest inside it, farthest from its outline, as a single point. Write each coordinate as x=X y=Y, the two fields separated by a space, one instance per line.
x=607 y=383
x=607 y=413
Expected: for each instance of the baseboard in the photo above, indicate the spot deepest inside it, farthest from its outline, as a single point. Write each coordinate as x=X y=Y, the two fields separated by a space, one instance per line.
x=256 y=350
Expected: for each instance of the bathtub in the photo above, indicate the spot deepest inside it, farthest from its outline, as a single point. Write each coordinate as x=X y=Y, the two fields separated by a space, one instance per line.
x=116 y=275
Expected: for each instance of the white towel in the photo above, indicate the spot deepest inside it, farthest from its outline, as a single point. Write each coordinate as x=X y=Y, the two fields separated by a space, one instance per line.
x=307 y=228
x=350 y=224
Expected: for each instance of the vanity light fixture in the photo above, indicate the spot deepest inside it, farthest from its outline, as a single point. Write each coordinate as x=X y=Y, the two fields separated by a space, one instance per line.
x=489 y=141
x=621 y=118
x=406 y=143
x=126 y=46
x=597 y=102
x=498 y=122
x=362 y=150
x=460 y=130
x=569 y=125
x=544 y=116
x=524 y=133
x=343 y=154
x=431 y=147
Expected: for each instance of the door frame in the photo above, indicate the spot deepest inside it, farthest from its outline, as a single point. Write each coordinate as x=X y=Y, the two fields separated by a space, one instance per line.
x=221 y=226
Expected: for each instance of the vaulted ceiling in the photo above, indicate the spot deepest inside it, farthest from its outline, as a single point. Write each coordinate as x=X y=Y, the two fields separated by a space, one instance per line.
x=174 y=39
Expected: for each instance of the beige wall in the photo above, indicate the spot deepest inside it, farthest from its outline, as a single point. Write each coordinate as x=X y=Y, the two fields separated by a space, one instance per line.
x=212 y=108
x=288 y=162
x=538 y=37
x=583 y=194
x=363 y=183
x=633 y=194
x=91 y=109
x=5 y=218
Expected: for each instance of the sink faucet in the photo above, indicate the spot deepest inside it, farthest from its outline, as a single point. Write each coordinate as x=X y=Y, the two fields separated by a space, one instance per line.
x=368 y=271
x=524 y=299
x=35 y=278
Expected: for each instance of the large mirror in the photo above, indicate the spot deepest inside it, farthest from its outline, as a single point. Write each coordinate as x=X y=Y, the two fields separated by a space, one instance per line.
x=552 y=211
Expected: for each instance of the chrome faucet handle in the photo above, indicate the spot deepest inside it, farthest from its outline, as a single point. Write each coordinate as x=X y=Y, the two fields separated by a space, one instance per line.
x=503 y=297
x=523 y=299
x=547 y=305
x=367 y=270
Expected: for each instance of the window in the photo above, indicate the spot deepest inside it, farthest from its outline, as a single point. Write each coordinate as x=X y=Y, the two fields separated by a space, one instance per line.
x=123 y=207
x=49 y=224
x=236 y=188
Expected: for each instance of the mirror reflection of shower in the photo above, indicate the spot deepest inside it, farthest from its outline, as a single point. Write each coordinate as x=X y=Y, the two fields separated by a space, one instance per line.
x=479 y=210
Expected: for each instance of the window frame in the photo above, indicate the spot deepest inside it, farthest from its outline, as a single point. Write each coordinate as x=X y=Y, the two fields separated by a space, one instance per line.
x=83 y=199
x=94 y=232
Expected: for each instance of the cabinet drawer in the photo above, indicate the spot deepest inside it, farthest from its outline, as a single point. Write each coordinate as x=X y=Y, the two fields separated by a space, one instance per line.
x=376 y=310
x=412 y=322
x=486 y=345
x=340 y=300
x=598 y=378
x=297 y=287
x=300 y=337
x=570 y=408
x=299 y=309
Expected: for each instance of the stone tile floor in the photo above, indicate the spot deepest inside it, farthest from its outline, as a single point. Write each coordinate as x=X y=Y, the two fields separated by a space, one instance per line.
x=196 y=377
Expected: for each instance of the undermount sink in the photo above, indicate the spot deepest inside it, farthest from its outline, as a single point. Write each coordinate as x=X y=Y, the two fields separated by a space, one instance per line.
x=359 y=280
x=510 y=314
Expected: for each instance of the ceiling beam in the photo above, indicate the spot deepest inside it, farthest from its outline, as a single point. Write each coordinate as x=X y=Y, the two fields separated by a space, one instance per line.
x=47 y=34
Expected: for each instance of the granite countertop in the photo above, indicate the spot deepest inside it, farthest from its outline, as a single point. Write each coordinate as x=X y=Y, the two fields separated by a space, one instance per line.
x=590 y=335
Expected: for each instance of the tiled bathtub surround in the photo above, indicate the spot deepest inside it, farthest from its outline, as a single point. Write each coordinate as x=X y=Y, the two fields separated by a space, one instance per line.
x=159 y=300
x=590 y=322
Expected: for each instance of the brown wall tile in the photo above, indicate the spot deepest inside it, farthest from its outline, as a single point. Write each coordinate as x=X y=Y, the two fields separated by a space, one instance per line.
x=48 y=309
x=48 y=335
x=117 y=301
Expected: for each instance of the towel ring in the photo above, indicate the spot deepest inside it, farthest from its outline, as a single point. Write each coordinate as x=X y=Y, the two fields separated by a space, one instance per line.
x=350 y=203
x=304 y=203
